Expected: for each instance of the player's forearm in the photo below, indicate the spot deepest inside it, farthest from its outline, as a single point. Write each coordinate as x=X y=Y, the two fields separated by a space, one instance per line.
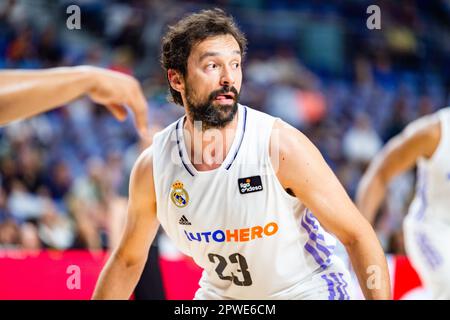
x=370 y=194
x=370 y=266
x=117 y=280
x=26 y=93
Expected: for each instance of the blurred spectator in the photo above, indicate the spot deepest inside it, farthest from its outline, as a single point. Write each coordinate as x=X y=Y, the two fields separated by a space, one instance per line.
x=49 y=50
x=23 y=204
x=361 y=142
x=55 y=230
x=4 y=211
x=9 y=235
x=59 y=181
x=29 y=236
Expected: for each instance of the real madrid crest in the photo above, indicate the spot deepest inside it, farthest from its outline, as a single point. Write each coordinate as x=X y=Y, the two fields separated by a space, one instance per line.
x=179 y=195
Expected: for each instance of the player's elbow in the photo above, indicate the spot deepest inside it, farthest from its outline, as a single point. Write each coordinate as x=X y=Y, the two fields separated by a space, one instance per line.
x=358 y=234
x=130 y=260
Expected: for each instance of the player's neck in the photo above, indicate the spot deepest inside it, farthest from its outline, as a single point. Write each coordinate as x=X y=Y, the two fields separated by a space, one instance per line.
x=208 y=148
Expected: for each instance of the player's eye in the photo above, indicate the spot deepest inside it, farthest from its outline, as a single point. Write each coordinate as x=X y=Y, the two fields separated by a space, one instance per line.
x=211 y=66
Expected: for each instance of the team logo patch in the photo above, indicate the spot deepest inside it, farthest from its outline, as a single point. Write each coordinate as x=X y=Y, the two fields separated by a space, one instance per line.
x=179 y=195
x=250 y=184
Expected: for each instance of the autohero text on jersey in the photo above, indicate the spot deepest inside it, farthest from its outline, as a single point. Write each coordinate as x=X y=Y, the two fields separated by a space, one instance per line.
x=235 y=235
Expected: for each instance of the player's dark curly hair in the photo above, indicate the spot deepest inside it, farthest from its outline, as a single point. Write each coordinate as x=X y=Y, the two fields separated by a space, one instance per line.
x=181 y=37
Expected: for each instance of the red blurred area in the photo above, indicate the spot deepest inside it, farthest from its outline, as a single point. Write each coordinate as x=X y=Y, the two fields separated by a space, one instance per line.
x=405 y=278
x=52 y=275
x=47 y=274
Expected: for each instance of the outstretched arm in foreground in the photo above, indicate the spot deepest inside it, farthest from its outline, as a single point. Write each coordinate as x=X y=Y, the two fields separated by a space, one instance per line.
x=25 y=93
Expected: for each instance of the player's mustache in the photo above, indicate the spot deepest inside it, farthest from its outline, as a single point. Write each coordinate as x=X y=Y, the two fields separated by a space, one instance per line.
x=224 y=90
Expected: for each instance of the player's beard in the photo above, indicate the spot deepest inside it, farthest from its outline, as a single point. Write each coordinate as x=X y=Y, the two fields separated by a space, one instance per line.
x=212 y=115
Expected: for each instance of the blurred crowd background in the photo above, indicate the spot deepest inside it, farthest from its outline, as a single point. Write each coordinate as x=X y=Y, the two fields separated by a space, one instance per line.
x=312 y=62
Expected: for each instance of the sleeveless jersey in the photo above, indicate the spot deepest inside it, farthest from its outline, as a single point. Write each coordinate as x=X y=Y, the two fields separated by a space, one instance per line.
x=432 y=199
x=252 y=238
x=427 y=225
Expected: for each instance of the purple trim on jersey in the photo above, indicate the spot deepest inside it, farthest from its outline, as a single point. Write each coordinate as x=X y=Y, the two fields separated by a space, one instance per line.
x=316 y=256
x=330 y=284
x=422 y=195
x=310 y=219
x=313 y=236
x=242 y=138
x=337 y=283
x=429 y=252
x=341 y=275
x=179 y=149
x=324 y=249
x=313 y=243
x=343 y=295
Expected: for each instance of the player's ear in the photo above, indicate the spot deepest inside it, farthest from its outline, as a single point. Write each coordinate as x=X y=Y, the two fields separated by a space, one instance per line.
x=176 y=80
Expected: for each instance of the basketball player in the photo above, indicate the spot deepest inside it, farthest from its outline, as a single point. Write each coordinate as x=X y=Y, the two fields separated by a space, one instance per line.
x=24 y=93
x=425 y=142
x=238 y=211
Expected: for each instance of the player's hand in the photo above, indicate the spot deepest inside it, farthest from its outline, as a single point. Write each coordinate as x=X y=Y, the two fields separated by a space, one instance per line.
x=117 y=91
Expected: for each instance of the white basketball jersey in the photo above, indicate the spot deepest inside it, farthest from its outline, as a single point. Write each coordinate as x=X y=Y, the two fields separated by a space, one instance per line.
x=427 y=226
x=432 y=200
x=253 y=239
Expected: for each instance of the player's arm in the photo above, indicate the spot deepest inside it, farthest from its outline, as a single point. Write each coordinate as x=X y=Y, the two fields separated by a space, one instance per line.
x=418 y=139
x=303 y=170
x=123 y=269
x=24 y=93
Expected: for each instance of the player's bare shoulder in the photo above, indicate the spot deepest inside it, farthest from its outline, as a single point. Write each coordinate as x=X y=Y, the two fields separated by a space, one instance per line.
x=286 y=140
x=144 y=163
x=425 y=132
x=290 y=143
x=293 y=151
x=141 y=180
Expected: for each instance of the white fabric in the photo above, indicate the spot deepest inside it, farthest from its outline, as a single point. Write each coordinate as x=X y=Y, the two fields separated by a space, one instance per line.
x=427 y=226
x=274 y=248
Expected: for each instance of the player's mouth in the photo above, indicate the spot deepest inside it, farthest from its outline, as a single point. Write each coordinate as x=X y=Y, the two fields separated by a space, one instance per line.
x=227 y=98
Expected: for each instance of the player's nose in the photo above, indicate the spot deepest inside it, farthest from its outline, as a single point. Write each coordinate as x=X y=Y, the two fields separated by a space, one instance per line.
x=227 y=78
